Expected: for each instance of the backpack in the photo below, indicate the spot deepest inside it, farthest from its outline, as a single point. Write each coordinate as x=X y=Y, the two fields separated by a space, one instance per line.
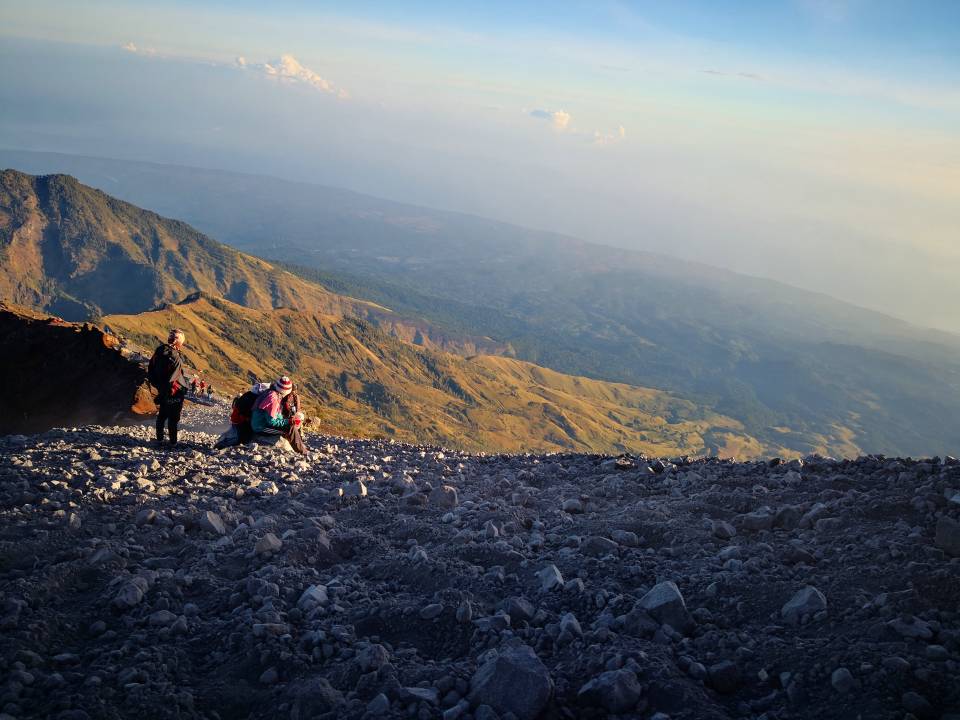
x=244 y=403
x=158 y=371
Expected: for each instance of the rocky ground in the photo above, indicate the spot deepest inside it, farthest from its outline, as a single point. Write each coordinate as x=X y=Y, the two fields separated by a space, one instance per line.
x=373 y=579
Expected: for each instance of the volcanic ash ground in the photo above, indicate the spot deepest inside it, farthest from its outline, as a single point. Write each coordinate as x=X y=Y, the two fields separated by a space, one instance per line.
x=373 y=579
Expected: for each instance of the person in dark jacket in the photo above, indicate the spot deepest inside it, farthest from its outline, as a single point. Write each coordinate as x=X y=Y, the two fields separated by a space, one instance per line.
x=167 y=376
x=242 y=411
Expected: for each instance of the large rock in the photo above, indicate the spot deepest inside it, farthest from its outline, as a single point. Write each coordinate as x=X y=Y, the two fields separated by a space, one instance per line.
x=722 y=529
x=444 y=497
x=313 y=696
x=131 y=593
x=948 y=536
x=756 y=521
x=518 y=608
x=357 y=488
x=269 y=543
x=597 y=546
x=788 y=517
x=211 y=522
x=665 y=604
x=514 y=681
x=807 y=601
x=312 y=597
x=617 y=691
x=725 y=677
x=550 y=578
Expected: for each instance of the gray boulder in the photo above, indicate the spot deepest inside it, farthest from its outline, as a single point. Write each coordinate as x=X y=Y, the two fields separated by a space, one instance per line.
x=211 y=522
x=550 y=578
x=665 y=604
x=444 y=497
x=312 y=597
x=515 y=681
x=948 y=536
x=722 y=529
x=598 y=546
x=807 y=601
x=617 y=691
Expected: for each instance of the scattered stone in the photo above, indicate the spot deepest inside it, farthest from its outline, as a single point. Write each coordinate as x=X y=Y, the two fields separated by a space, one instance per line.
x=160 y=603
x=572 y=506
x=948 y=536
x=313 y=596
x=513 y=681
x=444 y=497
x=842 y=680
x=725 y=677
x=806 y=602
x=211 y=522
x=550 y=578
x=357 y=488
x=598 y=547
x=665 y=604
x=431 y=611
x=917 y=704
x=617 y=691
x=268 y=544
x=380 y=705
x=723 y=530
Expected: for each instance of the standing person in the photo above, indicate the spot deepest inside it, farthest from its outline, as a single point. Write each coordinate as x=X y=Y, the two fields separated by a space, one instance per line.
x=165 y=373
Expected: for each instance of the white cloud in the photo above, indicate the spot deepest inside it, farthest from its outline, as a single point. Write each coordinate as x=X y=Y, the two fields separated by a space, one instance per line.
x=559 y=118
x=608 y=138
x=289 y=69
x=132 y=47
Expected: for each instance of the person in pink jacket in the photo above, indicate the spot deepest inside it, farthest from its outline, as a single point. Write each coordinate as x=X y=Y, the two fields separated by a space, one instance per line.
x=268 y=418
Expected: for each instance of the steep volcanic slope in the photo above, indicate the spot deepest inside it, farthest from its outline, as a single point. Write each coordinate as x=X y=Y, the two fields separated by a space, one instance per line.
x=375 y=579
x=63 y=374
x=361 y=381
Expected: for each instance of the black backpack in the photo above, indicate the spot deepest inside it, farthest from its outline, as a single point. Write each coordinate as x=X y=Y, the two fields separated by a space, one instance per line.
x=244 y=403
x=158 y=371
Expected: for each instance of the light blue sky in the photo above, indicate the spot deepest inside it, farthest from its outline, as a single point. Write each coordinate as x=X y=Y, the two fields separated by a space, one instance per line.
x=814 y=141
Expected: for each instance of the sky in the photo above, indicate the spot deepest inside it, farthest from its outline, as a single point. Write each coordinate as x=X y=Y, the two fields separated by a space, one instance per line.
x=811 y=141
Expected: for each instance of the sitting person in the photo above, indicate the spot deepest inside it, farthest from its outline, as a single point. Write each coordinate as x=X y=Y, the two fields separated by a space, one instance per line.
x=241 y=431
x=268 y=420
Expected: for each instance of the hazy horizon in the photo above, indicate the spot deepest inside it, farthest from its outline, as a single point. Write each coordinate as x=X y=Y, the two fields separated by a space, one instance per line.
x=815 y=142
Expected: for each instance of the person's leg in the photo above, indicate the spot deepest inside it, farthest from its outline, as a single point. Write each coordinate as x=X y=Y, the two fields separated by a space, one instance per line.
x=162 y=410
x=175 y=409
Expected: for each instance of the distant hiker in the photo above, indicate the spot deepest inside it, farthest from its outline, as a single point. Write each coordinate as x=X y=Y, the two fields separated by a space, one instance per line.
x=165 y=373
x=209 y=392
x=201 y=387
x=268 y=420
x=240 y=429
x=193 y=386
